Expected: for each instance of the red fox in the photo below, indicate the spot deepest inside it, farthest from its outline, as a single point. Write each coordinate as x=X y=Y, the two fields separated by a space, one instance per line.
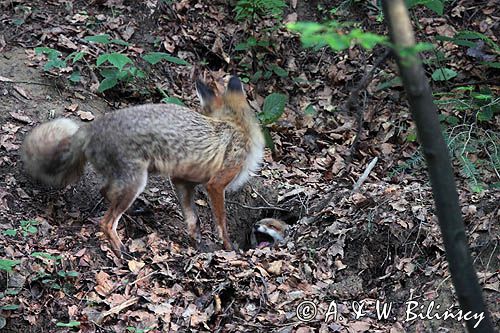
x=218 y=150
x=268 y=232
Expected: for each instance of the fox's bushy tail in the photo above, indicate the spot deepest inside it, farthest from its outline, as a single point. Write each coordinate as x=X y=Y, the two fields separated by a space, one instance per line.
x=54 y=152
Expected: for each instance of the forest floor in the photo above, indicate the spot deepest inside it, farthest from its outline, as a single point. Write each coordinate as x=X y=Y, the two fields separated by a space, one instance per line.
x=349 y=251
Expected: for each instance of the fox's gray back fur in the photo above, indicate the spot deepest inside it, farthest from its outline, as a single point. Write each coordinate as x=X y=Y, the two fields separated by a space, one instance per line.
x=170 y=139
x=165 y=138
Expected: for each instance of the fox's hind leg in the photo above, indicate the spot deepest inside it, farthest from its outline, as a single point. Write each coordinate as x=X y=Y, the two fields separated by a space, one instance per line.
x=215 y=188
x=185 y=193
x=121 y=192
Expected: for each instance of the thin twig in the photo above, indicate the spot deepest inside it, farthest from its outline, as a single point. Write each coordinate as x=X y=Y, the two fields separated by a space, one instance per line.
x=30 y=82
x=258 y=207
x=144 y=277
x=117 y=309
x=363 y=83
x=365 y=174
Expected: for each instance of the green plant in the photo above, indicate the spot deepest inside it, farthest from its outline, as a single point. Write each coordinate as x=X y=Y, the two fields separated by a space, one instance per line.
x=26 y=227
x=470 y=39
x=72 y=323
x=138 y=330
x=52 y=274
x=169 y=99
x=334 y=35
x=443 y=74
x=7 y=264
x=436 y=6
x=258 y=43
x=249 y=10
x=120 y=69
x=113 y=67
x=474 y=147
x=272 y=109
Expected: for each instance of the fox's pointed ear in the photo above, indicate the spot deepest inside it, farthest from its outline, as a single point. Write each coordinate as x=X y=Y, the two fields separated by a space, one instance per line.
x=205 y=94
x=235 y=85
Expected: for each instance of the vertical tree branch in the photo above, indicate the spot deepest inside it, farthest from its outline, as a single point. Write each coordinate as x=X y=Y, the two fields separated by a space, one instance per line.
x=436 y=153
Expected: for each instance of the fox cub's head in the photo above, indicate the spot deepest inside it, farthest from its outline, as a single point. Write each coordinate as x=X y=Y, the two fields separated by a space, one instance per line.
x=268 y=232
x=228 y=104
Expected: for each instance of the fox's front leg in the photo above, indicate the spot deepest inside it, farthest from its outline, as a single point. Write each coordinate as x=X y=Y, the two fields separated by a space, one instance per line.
x=216 y=187
x=185 y=194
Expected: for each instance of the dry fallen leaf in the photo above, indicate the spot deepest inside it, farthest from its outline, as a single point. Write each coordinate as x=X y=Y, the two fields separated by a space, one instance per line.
x=85 y=115
x=21 y=117
x=22 y=92
x=103 y=284
x=135 y=266
x=72 y=107
x=275 y=267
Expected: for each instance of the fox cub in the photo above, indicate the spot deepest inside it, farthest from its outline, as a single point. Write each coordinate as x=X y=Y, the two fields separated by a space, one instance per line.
x=268 y=232
x=218 y=150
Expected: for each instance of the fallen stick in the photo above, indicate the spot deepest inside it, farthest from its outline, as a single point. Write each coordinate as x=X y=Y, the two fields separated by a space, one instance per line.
x=365 y=174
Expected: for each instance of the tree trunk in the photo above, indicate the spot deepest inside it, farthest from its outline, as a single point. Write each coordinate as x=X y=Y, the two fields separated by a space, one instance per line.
x=436 y=153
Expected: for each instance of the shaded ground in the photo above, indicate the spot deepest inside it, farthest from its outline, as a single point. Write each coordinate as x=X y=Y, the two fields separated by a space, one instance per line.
x=379 y=244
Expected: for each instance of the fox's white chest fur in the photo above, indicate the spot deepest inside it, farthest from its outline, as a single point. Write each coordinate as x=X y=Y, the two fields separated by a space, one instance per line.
x=253 y=160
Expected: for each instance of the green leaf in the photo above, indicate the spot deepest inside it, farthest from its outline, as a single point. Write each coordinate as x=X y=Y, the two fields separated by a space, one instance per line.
x=109 y=73
x=137 y=73
x=310 y=110
x=477 y=188
x=106 y=84
x=241 y=47
x=120 y=42
x=367 y=40
x=273 y=108
x=256 y=77
x=332 y=34
x=436 y=6
x=75 y=77
x=70 y=324
x=443 y=74
x=72 y=274
x=53 y=57
x=12 y=291
x=452 y=120
x=481 y=97
x=57 y=63
x=18 y=22
x=10 y=232
x=411 y=137
x=491 y=64
x=101 y=59
x=117 y=59
x=103 y=39
x=51 y=53
x=155 y=57
x=394 y=82
x=456 y=41
x=32 y=229
x=173 y=100
x=485 y=114
x=75 y=56
x=279 y=71
x=268 y=138
x=44 y=255
x=9 y=307
x=7 y=264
